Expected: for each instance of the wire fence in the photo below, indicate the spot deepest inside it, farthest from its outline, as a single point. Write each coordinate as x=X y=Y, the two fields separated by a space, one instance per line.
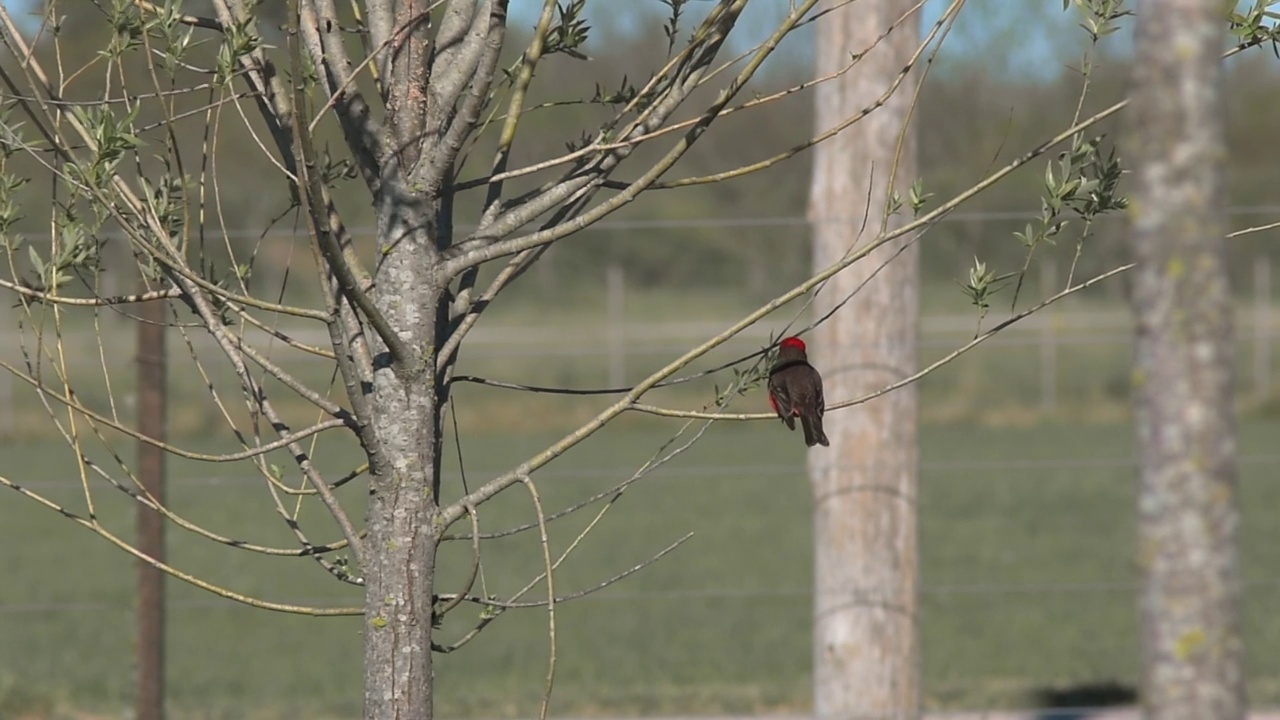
x=1026 y=537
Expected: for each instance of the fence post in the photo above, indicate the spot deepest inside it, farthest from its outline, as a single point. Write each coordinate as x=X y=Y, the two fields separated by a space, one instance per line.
x=616 y=319
x=1048 y=339
x=1262 y=324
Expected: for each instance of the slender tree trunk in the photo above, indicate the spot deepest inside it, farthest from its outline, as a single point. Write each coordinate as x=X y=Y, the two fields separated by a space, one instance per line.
x=404 y=479
x=866 y=658
x=1188 y=514
x=152 y=422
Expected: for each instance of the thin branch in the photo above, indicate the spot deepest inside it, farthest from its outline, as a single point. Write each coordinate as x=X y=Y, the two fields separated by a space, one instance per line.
x=519 y=87
x=457 y=599
x=633 y=140
x=614 y=493
x=206 y=23
x=834 y=130
x=309 y=194
x=142 y=496
x=510 y=605
x=471 y=315
x=1255 y=229
x=97 y=301
x=477 y=252
x=94 y=527
x=281 y=335
x=551 y=593
x=283 y=442
x=482 y=494
x=464 y=72
x=319 y=27
x=945 y=360
x=514 y=269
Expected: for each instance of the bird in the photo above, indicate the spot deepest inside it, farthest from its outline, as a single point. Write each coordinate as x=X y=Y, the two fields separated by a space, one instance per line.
x=795 y=391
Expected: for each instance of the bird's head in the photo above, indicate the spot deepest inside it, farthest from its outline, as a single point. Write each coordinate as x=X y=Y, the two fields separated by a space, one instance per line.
x=793 y=343
x=791 y=348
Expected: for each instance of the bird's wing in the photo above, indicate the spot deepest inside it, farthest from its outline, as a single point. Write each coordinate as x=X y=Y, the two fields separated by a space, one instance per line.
x=778 y=393
x=822 y=402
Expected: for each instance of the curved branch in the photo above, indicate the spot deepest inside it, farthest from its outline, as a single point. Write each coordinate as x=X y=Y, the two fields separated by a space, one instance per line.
x=146 y=499
x=283 y=442
x=451 y=603
x=817 y=139
x=174 y=572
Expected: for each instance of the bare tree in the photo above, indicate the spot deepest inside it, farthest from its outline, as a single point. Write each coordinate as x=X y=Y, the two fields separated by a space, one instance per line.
x=1184 y=369
x=866 y=635
x=132 y=144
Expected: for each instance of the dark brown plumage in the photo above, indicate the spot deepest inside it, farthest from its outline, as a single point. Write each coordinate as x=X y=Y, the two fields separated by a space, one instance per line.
x=795 y=391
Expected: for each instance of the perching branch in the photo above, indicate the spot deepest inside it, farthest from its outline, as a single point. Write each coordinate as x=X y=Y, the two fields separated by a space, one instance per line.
x=918 y=375
x=451 y=513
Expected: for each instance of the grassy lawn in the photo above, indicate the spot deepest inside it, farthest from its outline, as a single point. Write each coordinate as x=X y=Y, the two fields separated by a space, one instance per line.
x=1027 y=537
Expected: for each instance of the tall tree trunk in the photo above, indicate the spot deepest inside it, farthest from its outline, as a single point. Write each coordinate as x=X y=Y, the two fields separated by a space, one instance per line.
x=866 y=657
x=1188 y=514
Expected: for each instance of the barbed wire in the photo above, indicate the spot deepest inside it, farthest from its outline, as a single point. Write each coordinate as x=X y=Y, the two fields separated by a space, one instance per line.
x=722 y=471
x=986 y=588
x=693 y=223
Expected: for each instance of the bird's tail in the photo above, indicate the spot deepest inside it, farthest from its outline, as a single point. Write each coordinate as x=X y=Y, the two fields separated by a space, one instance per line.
x=813 y=434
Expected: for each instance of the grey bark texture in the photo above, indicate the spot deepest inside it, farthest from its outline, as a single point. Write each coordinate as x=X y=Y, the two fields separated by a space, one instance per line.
x=412 y=220
x=1183 y=376
x=866 y=646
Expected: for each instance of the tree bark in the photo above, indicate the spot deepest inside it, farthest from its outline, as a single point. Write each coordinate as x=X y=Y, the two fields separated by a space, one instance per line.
x=404 y=477
x=866 y=657
x=1183 y=376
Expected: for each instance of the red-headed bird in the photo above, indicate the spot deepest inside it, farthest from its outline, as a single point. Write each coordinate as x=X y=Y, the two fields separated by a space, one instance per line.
x=795 y=391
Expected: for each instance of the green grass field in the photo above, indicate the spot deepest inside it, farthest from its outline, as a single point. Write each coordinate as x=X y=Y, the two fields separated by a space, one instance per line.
x=1027 y=541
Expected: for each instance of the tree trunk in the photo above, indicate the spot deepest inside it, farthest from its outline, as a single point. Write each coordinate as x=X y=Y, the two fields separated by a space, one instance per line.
x=1188 y=514
x=404 y=475
x=152 y=397
x=866 y=658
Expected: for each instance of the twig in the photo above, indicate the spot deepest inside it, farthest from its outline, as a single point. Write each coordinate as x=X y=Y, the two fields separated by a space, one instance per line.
x=551 y=594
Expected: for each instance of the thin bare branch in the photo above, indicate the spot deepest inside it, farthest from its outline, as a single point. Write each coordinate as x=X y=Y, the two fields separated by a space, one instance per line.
x=457 y=599
x=94 y=527
x=918 y=375
x=321 y=33
x=463 y=72
x=479 y=250
x=98 y=301
x=519 y=88
x=350 y=278
x=283 y=442
x=512 y=605
x=482 y=494
x=551 y=593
